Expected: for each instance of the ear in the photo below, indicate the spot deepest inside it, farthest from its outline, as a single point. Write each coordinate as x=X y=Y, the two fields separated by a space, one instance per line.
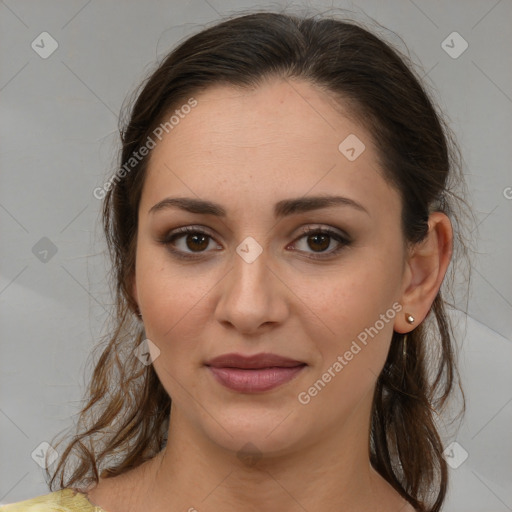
x=425 y=270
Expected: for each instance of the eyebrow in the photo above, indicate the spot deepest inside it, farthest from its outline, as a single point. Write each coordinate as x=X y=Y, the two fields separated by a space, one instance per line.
x=282 y=208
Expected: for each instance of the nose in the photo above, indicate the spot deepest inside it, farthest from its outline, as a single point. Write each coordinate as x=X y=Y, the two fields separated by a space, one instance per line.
x=253 y=297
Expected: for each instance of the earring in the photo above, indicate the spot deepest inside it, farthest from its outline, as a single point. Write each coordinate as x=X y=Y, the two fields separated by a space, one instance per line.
x=409 y=318
x=404 y=347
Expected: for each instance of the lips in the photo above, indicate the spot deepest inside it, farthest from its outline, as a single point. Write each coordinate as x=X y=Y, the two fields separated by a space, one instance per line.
x=256 y=361
x=252 y=374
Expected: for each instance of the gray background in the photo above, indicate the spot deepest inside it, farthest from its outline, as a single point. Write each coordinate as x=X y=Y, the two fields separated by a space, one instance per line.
x=59 y=140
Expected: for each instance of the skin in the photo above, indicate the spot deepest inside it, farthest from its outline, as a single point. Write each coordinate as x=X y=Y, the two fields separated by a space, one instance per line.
x=233 y=149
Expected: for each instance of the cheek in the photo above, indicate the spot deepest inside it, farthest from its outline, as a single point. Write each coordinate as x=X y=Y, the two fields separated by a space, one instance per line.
x=351 y=309
x=173 y=303
x=174 y=320
x=357 y=318
x=167 y=290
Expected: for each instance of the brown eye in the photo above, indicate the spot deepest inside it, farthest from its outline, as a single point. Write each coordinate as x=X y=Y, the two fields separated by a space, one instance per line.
x=187 y=242
x=319 y=242
x=190 y=242
x=197 y=241
x=316 y=242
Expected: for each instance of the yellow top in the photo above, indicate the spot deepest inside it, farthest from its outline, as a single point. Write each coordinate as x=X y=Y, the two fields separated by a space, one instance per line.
x=65 y=500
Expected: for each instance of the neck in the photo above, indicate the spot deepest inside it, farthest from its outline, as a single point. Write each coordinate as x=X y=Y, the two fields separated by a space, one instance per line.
x=193 y=473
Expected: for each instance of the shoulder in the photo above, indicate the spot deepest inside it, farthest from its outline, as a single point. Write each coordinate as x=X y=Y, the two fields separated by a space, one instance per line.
x=65 y=500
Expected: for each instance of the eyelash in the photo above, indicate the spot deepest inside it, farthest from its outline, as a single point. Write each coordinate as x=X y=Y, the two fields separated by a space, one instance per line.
x=170 y=238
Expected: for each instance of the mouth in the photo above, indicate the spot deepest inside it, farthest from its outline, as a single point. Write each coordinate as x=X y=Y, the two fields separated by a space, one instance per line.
x=253 y=374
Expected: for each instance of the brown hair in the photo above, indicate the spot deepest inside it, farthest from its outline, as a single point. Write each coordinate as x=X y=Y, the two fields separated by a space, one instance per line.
x=126 y=418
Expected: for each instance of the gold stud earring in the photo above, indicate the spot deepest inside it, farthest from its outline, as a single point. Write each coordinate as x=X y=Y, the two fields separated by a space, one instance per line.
x=409 y=318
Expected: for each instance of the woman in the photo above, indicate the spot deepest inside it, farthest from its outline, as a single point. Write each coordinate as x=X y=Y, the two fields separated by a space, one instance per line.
x=280 y=228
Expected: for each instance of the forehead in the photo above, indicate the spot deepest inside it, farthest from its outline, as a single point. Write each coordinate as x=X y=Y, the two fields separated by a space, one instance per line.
x=280 y=112
x=280 y=139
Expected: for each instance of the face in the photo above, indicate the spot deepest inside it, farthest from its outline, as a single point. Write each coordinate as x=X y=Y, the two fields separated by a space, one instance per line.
x=248 y=279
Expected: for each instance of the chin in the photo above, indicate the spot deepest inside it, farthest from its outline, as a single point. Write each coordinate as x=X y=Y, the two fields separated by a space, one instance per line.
x=254 y=433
